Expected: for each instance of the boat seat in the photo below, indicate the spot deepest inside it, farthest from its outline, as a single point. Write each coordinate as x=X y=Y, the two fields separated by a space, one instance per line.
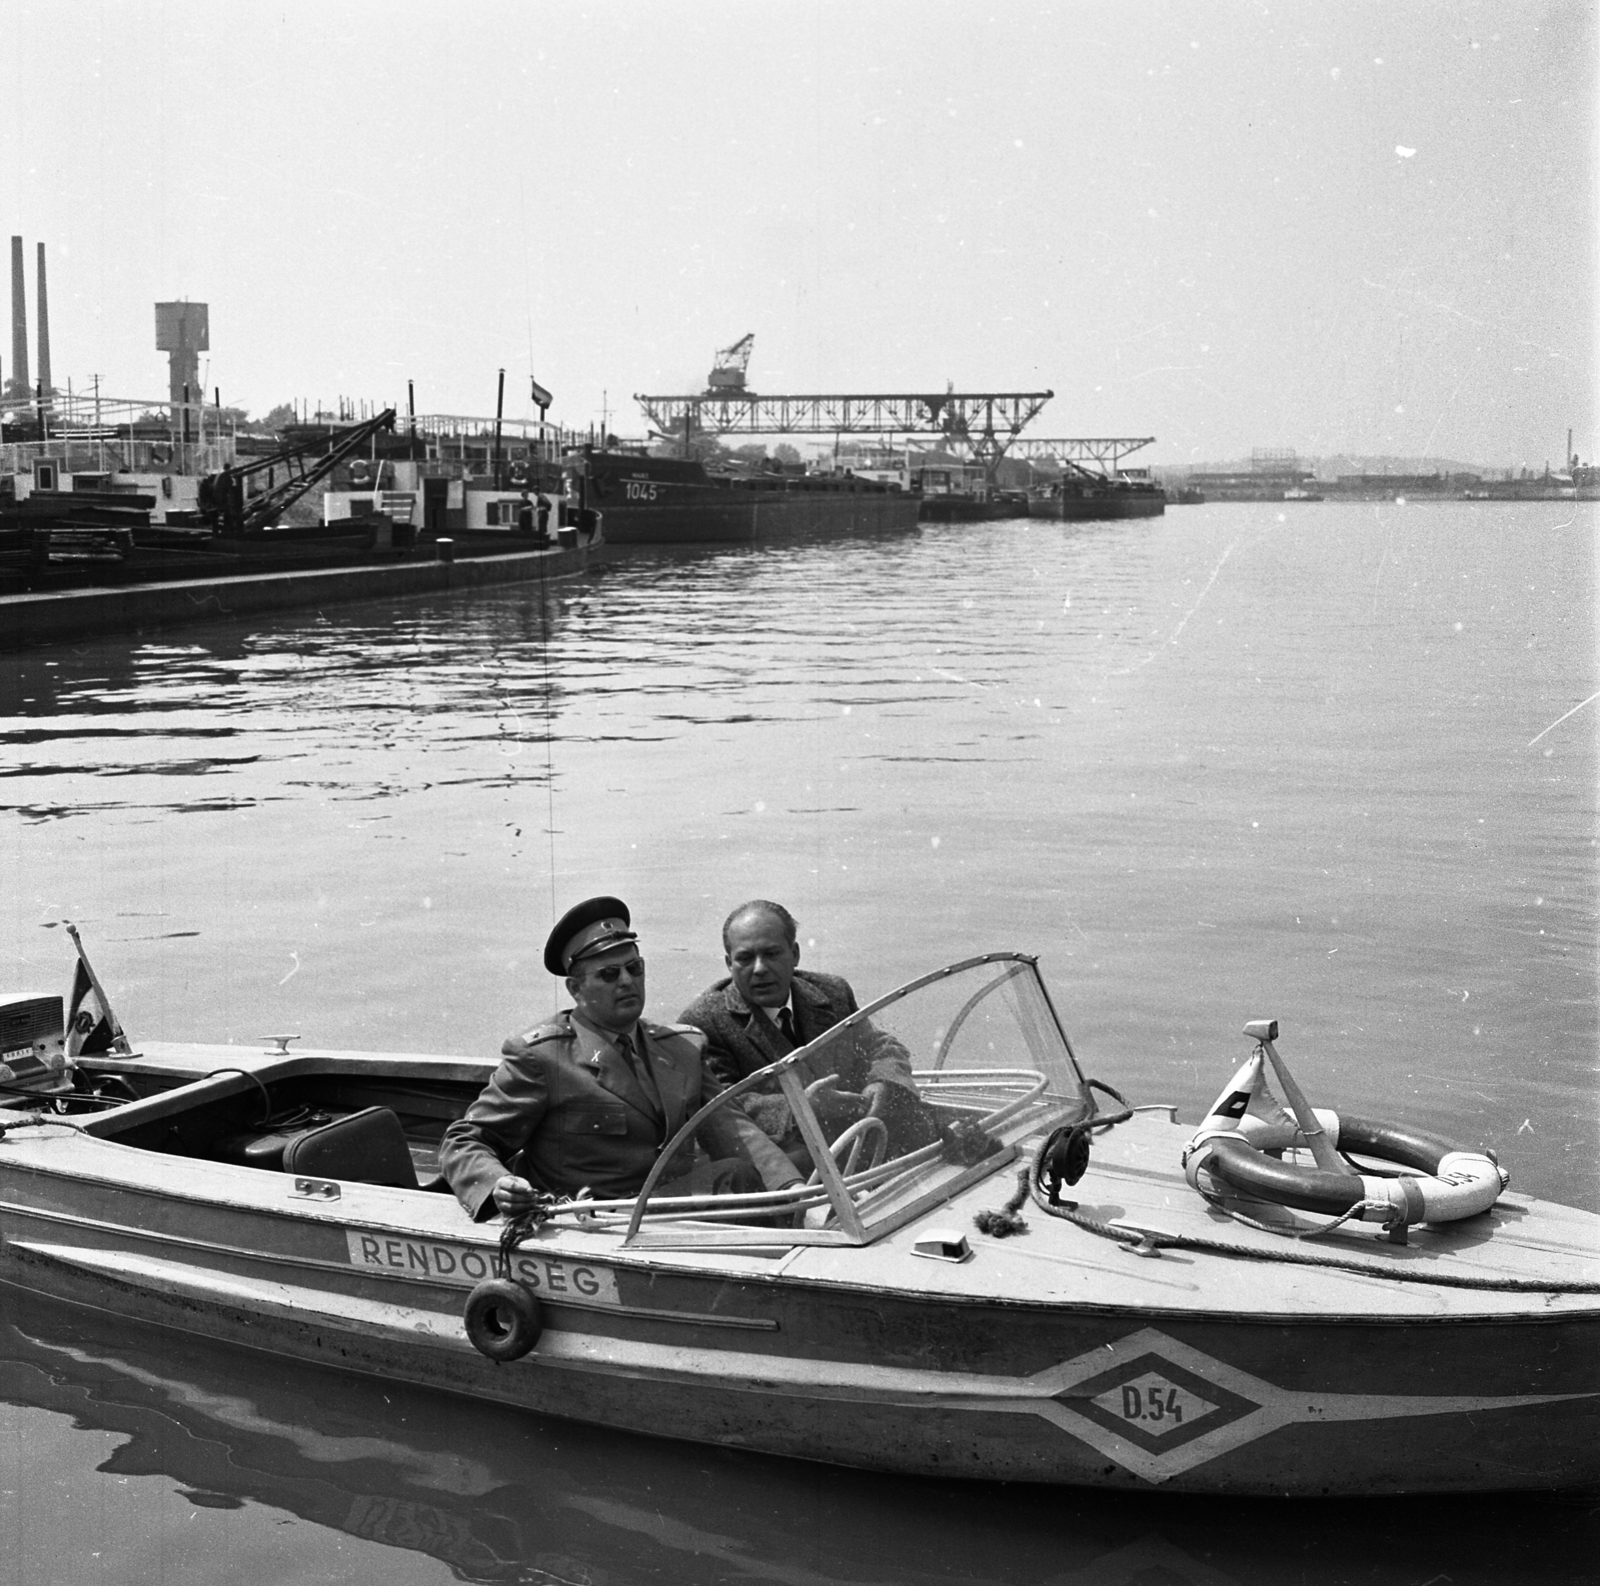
x=367 y=1147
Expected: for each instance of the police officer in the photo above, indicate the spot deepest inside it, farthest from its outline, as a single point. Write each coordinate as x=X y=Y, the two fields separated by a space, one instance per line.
x=587 y=1100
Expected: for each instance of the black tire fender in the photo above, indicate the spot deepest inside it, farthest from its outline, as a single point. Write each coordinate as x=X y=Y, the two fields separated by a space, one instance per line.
x=503 y=1319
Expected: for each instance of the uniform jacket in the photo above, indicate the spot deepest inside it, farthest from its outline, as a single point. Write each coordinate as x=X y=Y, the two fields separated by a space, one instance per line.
x=565 y=1110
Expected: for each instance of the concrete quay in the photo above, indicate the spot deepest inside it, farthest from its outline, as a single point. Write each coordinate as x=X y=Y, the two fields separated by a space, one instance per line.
x=97 y=611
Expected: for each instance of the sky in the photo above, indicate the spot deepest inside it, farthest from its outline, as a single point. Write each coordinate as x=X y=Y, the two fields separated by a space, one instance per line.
x=1341 y=227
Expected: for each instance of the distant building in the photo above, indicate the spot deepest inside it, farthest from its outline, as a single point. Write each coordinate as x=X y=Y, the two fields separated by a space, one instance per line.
x=1273 y=472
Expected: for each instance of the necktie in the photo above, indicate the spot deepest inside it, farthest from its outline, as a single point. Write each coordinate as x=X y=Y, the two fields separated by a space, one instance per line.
x=786 y=1024
x=634 y=1057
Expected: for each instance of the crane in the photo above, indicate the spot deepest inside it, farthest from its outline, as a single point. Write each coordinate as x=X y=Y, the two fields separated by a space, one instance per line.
x=985 y=423
x=1107 y=452
x=727 y=373
x=222 y=495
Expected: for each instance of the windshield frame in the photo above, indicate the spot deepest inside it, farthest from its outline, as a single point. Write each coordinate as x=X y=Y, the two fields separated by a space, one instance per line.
x=844 y=1199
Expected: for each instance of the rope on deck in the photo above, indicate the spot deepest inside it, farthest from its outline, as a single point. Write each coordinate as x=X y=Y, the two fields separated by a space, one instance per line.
x=1150 y=1242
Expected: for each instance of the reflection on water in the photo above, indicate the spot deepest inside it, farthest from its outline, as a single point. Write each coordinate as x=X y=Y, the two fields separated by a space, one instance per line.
x=376 y=701
x=1227 y=764
x=502 y=1497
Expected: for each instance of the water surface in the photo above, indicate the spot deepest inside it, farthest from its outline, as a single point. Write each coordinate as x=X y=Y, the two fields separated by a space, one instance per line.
x=1309 y=762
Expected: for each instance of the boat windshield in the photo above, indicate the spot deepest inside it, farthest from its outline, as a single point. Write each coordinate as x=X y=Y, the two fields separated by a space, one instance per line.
x=984 y=1068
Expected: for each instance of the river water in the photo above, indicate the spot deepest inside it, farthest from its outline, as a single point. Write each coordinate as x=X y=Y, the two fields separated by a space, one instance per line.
x=1326 y=763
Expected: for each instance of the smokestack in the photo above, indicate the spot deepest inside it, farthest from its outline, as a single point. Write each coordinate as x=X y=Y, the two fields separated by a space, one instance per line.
x=44 y=335
x=21 y=386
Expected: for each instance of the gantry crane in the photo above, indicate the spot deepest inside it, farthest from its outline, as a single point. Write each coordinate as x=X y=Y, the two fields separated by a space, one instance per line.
x=985 y=423
x=1107 y=453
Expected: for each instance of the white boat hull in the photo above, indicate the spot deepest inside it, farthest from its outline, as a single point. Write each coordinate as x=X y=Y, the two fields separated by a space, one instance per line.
x=1057 y=1355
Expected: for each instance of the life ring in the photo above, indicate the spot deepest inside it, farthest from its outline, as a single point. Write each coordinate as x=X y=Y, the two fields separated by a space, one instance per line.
x=503 y=1319
x=519 y=473
x=360 y=472
x=1440 y=1182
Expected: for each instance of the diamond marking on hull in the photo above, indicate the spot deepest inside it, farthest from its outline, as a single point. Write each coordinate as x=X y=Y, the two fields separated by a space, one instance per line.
x=1085 y=1397
x=1157 y=1405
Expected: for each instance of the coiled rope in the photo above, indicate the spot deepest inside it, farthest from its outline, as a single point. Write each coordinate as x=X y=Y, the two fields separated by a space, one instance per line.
x=1007 y=1220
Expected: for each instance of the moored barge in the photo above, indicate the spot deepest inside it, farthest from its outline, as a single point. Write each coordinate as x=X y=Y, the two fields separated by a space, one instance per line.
x=1087 y=497
x=643 y=500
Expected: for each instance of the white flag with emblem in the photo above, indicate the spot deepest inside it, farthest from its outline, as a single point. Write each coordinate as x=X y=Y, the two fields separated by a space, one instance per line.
x=1249 y=1107
x=91 y=1024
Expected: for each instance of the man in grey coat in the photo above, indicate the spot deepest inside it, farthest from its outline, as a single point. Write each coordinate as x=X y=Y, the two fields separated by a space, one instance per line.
x=768 y=1007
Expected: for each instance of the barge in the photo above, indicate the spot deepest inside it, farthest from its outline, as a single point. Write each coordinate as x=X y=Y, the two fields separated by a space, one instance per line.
x=1088 y=497
x=643 y=500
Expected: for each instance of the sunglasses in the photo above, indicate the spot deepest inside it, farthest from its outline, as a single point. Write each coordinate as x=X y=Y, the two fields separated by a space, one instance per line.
x=612 y=973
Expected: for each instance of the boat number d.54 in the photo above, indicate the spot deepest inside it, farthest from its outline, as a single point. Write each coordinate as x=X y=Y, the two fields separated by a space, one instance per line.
x=1152 y=1403
x=637 y=491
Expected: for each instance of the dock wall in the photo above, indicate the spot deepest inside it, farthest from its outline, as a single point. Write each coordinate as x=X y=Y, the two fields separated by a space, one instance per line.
x=77 y=614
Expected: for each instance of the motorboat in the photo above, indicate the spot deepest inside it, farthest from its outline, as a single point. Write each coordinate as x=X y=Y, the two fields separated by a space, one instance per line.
x=1059 y=1287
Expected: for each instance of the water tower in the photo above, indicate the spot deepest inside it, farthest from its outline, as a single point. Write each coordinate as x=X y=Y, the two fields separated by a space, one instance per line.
x=183 y=332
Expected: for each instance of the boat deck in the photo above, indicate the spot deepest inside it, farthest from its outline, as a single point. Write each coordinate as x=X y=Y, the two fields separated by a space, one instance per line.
x=1134 y=1187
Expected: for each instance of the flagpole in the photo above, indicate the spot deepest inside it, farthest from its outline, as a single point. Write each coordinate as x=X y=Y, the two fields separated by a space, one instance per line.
x=1323 y=1150
x=119 y=1041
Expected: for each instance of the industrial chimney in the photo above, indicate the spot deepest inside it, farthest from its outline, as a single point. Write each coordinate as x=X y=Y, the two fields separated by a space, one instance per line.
x=20 y=386
x=44 y=335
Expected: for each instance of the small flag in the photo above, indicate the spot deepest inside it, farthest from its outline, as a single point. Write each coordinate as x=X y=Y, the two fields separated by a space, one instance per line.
x=91 y=1024
x=1249 y=1106
x=541 y=398
x=88 y=1029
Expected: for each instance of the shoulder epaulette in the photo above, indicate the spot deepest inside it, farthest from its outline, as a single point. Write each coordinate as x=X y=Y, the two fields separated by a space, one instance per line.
x=551 y=1030
x=692 y=1030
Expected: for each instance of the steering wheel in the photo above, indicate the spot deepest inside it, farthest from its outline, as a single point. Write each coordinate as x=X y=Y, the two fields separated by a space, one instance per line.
x=852 y=1142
